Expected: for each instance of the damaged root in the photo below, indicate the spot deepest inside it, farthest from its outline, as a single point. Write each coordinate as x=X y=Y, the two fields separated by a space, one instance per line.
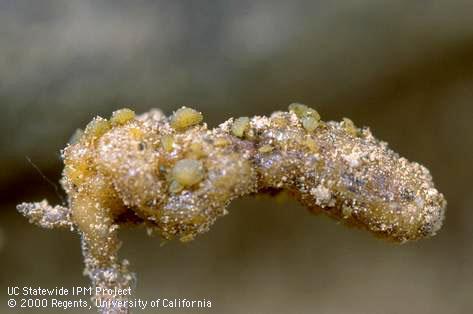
x=175 y=176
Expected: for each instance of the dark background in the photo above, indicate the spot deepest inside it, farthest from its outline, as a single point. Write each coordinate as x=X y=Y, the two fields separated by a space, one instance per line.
x=404 y=68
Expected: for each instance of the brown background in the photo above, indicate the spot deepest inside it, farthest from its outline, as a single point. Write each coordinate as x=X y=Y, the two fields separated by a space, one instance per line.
x=404 y=68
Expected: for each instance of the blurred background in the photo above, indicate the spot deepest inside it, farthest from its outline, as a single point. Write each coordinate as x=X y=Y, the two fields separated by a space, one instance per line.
x=404 y=68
